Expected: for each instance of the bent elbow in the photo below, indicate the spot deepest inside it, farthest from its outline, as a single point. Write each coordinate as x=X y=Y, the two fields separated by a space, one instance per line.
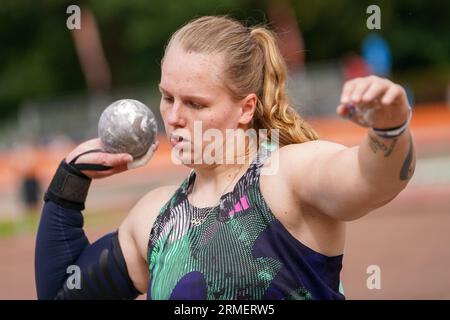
x=364 y=209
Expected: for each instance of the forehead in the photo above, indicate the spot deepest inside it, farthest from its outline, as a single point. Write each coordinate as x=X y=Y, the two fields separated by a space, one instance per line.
x=188 y=71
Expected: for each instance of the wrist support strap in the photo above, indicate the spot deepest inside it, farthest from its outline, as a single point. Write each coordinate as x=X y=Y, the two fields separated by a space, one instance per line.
x=69 y=186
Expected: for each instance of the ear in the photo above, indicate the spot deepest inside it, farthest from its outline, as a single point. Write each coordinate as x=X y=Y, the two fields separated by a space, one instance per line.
x=248 y=108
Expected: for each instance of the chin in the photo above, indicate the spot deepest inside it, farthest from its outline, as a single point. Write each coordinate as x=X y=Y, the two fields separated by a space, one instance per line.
x=188 y=160
x=185 y=158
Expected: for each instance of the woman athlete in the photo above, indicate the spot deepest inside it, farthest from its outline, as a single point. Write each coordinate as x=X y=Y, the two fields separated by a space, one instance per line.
x=232 y=229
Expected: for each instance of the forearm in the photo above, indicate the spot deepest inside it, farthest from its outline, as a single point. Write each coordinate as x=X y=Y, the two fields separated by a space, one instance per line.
x=387 y=164
x=61 y=243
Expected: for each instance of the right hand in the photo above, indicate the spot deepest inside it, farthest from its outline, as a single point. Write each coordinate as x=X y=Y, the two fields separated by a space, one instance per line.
x=118 y=162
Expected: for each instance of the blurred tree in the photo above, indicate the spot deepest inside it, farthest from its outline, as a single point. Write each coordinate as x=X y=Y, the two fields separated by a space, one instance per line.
x=38 y=58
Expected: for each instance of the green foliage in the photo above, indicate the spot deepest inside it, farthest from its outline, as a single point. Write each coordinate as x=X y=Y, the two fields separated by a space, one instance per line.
x=38 y=58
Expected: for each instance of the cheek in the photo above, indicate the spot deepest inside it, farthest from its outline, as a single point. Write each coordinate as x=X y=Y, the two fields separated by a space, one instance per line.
x=163 y=111
x=219 y=121
x=230 y=118
x=226 y=117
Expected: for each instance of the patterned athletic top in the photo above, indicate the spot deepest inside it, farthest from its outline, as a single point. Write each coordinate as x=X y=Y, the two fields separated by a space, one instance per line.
x=238 y=250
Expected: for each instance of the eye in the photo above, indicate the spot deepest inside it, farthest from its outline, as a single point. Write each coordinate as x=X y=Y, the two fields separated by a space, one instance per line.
x=196 y=105
x=167 y=99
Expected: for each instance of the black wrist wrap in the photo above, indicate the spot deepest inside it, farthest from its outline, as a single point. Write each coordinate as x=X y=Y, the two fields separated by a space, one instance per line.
x=69 y=187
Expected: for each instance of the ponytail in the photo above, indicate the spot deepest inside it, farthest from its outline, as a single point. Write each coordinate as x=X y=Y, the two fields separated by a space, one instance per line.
x=273 y=110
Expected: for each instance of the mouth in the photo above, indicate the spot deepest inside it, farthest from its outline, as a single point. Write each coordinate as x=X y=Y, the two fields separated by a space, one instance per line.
x=176 y=139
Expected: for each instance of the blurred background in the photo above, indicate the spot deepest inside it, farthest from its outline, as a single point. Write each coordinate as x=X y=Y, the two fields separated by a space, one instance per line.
x=55 y=82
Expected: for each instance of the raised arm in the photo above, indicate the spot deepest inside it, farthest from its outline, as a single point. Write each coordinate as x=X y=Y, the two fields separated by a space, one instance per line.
x=347 y=183
x=62 y=247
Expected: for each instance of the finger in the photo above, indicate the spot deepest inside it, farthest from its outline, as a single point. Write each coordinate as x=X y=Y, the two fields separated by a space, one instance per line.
x=115 y=170
x=360 y=116
x=342 y=110
x=346 y=91
x=85 y=146
x=106 y=173
x=358 y=91
x=375 y=90
x=393 y=93
x=142 y=161
x=105 y=159
x=119 y=159
x=94 y=143
x=347 y=111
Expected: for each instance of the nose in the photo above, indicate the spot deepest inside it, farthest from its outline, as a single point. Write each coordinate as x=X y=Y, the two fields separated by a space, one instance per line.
x=176 y=116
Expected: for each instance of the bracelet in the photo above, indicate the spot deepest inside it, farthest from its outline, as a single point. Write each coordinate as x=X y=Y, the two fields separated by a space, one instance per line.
x=396 y=131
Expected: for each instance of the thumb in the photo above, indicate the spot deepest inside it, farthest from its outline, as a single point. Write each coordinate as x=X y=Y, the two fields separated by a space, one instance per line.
x=346 y=111
x=360 y=115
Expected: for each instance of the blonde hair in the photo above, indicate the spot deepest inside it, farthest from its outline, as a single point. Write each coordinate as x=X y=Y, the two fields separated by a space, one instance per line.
x=253 y=64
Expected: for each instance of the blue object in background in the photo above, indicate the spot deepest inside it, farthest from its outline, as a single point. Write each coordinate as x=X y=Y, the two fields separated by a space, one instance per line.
x=376 y=53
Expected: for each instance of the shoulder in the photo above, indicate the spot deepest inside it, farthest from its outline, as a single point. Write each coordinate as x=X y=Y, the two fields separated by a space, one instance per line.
x=134 y=232
x=142 y=216
x=310 y=149
x=149 y=205
x=302 y=156
x=153 y=199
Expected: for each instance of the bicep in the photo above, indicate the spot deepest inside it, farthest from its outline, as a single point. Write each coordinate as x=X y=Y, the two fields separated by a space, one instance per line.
x=136 y=265
x=328 y=178
x=135 y=230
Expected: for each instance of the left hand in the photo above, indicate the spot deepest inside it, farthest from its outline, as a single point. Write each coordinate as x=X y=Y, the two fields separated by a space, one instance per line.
x=374 y=102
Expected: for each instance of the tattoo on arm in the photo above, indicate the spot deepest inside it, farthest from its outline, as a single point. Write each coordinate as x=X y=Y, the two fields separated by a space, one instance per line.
x=407 y=169
x=376 y=145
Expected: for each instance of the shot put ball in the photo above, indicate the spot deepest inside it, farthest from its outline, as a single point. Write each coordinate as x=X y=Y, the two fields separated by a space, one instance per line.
x=127 y=126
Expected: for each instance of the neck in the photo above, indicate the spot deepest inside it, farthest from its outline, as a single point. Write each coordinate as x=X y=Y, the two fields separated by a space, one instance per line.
x=212 y=182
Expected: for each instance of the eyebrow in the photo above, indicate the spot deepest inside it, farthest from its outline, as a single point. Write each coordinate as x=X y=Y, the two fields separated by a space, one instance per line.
x=186 y=97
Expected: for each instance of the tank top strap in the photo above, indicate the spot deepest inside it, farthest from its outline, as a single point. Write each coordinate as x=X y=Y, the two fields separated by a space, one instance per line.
x=264 y=152
x=253 y=171
x=250 y=177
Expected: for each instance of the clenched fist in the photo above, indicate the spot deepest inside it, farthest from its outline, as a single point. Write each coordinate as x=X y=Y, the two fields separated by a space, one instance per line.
x=374 y=102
